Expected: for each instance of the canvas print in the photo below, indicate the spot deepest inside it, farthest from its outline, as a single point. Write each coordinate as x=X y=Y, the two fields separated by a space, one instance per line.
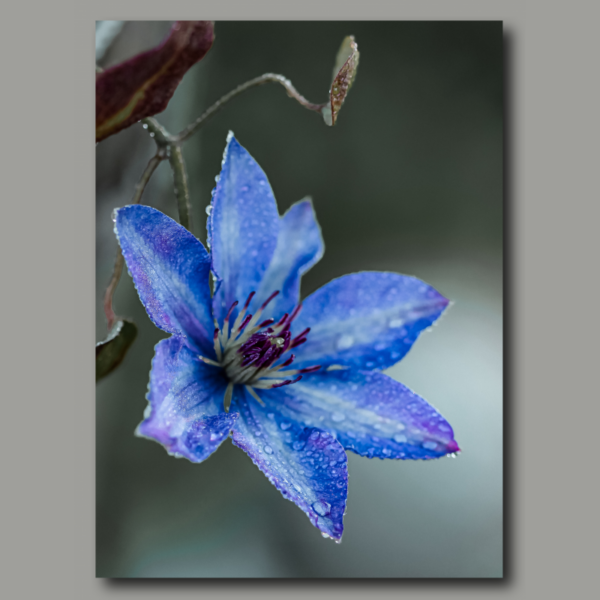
x=299 y=232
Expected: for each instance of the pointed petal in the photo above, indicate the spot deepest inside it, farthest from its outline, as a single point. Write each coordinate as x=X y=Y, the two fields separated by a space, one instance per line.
x=308 y=466
x=242 y=227
x=299 y=247
x=368 y=412
x=170 y=270
x=366 y=320
x=185 y=411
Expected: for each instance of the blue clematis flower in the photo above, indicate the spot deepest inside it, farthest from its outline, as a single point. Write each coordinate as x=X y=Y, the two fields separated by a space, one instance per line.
x=295 y=385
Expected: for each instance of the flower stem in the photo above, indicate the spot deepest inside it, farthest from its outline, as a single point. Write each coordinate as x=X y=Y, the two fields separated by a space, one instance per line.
x=266 y=78
x=118 y=268
x=180 y=182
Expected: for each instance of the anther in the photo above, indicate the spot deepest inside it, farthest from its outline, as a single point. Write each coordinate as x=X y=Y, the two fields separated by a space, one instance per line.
x=249 y=300
x=264 y=305
x=286 y=382
x=265 y=323
x=231 y=310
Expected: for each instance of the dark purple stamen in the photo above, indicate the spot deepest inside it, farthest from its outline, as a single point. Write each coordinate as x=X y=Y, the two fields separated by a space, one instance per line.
x=244 y=323
x=295 y=312
x=282 y=320
x=249 y=300
x=309 y=369
x=215 y=335
x=303 y=334
x=297 y=342
x=289 y=361
x=231 y=310
x=267 y=322
x=269 y=300
x=286 y=382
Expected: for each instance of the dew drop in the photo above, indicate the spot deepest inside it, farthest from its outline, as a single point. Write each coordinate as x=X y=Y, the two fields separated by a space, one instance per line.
x=298 y=445
x=337 y=417
x=345 y=342
x=401 y=439
x=322 y=508
x=285 y=425
x=268 y=449
x=395 y=323
x=208 y=210
x=429 y=445
x=145 y=125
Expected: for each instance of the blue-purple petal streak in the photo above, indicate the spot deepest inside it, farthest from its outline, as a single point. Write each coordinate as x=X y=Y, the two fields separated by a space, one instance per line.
x=308 y=466
x=299 y=247
x=170 y=269
x=243 y=227
x=368 y=412
x=185 y=412
x=367 y=320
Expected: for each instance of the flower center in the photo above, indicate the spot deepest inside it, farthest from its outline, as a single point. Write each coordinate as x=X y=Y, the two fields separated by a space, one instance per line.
x=250 y=351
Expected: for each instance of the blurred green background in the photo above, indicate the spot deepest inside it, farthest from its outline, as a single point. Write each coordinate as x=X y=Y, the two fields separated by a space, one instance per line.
x=409 y=180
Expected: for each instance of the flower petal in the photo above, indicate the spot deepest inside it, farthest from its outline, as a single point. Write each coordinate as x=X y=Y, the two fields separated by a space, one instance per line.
x=367 y=320
x=242 y=228
x=170 y=270
x=185 y=411
x=368 y=412
x=299 y=247
x=308 y=466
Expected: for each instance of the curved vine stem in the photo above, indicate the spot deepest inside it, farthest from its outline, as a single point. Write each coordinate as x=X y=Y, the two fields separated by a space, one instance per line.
x=169 y=147
x=266 y=78
x=118 y=268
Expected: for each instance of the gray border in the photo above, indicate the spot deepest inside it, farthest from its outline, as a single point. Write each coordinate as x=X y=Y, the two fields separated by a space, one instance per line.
x=48 y=499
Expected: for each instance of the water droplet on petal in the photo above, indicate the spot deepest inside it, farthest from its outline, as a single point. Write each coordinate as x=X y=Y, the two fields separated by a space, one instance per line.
x=337 y=417
x=285 y=425
x=322 y=508
x=401 y=439
x=268 y=449
x=429 y=445
x=395 y=323
x=208 y=210
x=345 y=342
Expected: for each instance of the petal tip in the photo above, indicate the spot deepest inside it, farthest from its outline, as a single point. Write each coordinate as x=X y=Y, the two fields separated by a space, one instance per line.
x=452 y=446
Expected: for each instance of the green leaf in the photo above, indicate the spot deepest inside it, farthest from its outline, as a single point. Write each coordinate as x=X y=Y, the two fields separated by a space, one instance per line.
x=112 y=350
x=344 y=73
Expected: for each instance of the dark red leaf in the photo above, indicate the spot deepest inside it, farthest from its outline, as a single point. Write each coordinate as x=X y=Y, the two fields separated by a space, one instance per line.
x=143 y=85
